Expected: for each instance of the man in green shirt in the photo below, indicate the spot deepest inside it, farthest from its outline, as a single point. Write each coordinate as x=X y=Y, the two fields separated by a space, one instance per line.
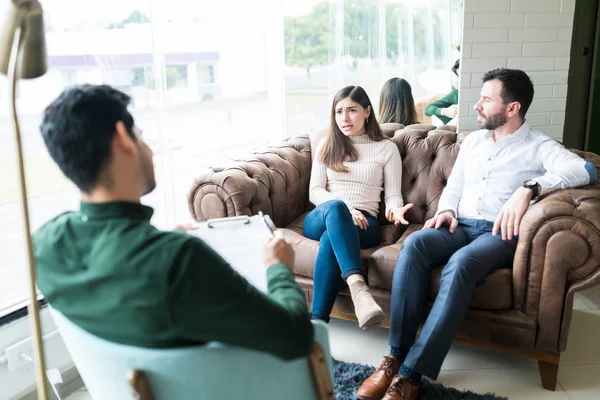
x=446 y=108
x=108 y=270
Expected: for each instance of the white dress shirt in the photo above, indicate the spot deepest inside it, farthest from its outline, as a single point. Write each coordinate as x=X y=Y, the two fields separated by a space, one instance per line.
x=487 y=173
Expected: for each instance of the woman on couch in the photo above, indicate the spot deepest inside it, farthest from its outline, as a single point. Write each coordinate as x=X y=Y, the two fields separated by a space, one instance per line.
x=352 y=165
x=396 y=103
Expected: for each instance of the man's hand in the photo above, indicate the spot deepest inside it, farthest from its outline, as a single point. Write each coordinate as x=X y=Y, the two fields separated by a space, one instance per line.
x=396 y=215
x=450 y=112
x=185 y=227
x=511 y=214
x=359 y=219
x=444 y=218
x=277 y=251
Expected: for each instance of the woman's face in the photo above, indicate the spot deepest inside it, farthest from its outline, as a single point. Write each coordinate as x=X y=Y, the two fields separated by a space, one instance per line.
x=350 y=117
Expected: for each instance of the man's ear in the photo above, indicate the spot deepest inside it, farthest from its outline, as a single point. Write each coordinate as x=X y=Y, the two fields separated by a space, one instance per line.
x=122 y=139
x=514 y=108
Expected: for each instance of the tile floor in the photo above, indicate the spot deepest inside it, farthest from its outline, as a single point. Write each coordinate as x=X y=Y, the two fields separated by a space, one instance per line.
x=483 y=370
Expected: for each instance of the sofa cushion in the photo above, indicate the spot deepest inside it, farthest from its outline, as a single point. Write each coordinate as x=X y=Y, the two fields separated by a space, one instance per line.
x=384 y=259
x=494 y=292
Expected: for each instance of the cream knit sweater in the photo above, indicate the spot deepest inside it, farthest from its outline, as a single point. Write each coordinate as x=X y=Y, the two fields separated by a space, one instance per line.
x=378 y=166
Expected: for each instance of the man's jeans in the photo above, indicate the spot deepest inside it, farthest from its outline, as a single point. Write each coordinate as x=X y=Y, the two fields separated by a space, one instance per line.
x=339 y=251
x=469 y=253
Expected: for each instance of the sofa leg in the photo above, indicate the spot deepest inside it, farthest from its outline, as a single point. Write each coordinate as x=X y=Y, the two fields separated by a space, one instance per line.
x=549 y=374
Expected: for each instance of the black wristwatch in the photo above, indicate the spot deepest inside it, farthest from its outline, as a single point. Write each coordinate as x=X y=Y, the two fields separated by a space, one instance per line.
x=533 y=186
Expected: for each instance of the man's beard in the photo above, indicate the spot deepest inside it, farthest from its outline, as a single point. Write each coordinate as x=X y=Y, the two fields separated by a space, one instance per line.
x=493 y=121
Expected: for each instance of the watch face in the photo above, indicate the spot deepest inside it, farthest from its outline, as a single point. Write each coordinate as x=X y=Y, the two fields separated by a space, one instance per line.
x=529 y=182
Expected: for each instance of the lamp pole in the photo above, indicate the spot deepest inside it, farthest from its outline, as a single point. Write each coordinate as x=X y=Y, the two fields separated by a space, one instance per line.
x=23 y=55
x=33 y=306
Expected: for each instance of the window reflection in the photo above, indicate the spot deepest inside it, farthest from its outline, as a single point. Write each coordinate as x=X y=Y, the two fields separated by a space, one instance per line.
x=331 y=44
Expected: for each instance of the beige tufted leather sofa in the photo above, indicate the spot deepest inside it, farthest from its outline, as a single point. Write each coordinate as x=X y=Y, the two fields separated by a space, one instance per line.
x=523 y=309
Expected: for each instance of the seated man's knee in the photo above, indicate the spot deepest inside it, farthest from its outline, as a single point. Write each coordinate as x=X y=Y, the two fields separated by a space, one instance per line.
x=415 y=241
x=462 y=264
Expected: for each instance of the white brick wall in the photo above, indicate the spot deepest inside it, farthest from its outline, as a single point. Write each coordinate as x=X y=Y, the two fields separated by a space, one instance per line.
x=532 y=35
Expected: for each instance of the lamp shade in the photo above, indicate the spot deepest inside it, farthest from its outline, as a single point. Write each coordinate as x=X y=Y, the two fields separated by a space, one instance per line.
x=31 y=60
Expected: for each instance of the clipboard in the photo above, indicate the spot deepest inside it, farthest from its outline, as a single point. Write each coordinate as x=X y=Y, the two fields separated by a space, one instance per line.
x=239 y=240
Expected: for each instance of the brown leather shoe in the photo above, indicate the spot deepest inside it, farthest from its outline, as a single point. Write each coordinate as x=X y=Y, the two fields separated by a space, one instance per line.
x=402 y=389
x=375 y=386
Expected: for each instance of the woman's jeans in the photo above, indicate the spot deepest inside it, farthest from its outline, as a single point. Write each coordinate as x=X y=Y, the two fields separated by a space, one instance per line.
x=339 y=252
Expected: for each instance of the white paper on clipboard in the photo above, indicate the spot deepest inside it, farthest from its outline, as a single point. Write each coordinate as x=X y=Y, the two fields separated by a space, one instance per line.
x=239 y=240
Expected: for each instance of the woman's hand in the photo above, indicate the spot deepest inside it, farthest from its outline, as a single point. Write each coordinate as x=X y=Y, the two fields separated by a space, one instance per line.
x=359 y=219
x=396 y=215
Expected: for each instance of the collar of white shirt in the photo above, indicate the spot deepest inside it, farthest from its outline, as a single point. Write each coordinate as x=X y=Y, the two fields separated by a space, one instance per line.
x=521 y=133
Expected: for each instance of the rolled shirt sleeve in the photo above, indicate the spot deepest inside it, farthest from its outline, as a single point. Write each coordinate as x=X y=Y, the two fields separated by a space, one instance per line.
x=564 y=169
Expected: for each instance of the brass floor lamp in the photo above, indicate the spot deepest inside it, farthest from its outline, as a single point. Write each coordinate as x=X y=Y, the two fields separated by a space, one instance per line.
x=23 y=56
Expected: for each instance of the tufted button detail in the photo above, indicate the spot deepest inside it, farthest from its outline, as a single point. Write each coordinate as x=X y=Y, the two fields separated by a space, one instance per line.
x=413 y=181
x=444 y=182
x=433 y=157
x=424 y=207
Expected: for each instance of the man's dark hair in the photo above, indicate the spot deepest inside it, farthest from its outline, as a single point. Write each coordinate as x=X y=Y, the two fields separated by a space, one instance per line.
x=516 y=86
x=78 y=128
x=456 y=66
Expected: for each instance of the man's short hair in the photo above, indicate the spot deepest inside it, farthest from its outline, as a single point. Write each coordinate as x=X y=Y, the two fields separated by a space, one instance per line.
x=78 y=127
x=516 y=86
x=456 y=66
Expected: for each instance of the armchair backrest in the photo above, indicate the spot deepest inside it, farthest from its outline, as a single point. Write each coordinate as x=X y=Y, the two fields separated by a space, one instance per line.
x=428 y=155
x=212 y=371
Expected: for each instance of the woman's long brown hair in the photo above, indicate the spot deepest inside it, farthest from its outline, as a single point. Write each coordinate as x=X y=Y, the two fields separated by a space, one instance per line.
x=396 y=103
x=338 y=148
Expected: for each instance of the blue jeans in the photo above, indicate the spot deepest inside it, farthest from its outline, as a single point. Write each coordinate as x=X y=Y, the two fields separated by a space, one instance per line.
x=469 y=253
x=339 y=252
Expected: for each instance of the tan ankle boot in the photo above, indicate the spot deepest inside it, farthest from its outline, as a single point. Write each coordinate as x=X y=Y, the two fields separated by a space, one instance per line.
x=367 y=311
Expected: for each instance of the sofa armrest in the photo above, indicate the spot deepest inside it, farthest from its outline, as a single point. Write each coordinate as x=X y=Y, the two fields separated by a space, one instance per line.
x=557 y=254
x=273 y=180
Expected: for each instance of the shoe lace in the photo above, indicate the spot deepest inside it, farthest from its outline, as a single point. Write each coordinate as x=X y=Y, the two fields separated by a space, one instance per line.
x=397 y=387
x=387 y=365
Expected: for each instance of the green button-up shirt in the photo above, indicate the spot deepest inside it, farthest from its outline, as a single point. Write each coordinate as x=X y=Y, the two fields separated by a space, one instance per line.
x=108 y=270
x=436 y=107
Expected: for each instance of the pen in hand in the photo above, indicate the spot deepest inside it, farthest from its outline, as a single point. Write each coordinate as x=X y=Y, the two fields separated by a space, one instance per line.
x=269 y=227
x=276 y=250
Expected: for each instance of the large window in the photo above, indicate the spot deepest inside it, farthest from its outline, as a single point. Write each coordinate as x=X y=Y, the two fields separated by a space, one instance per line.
x=210 y=80
x=332 y=44
x=197 y=75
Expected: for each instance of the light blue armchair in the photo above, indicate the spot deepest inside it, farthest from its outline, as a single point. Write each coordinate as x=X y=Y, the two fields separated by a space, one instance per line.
x=213 y=371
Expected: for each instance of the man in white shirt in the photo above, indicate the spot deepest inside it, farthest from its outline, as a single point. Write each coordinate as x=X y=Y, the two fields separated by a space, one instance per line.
x=497 y=173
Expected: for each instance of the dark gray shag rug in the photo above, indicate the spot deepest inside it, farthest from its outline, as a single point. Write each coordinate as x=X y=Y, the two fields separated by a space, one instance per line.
x=349 y=376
